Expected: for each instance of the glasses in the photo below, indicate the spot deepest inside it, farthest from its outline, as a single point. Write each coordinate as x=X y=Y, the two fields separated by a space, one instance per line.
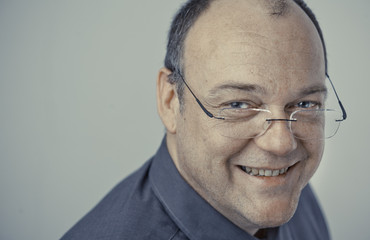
x=306 y=124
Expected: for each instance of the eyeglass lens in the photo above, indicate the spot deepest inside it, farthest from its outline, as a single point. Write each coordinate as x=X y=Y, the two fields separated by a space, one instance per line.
x=304 y=124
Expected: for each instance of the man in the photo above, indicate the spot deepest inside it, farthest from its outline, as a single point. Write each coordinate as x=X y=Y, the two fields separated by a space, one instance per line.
x=242 y=98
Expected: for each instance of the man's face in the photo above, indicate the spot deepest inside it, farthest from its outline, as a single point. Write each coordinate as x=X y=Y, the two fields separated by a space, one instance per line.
x=238 y=45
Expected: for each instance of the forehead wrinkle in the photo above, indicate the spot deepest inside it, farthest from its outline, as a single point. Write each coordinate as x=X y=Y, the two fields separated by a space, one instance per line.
x=244 y=44
x=241 y=32
x=268 y=33
x=254 y=35
x=264 y=72
x=267 y=65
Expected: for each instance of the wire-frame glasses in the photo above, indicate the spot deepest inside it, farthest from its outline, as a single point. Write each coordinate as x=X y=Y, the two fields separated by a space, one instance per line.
x=312 y=124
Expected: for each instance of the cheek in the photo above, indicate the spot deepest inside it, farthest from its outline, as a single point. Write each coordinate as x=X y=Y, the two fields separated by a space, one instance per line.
x=208 y=131
x=200 y=143
x=211 y=143
x=315 y=150
x=201 y=147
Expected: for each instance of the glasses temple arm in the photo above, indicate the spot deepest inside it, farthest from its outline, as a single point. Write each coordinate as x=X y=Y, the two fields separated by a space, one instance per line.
x=200 y=104
x=344 y=115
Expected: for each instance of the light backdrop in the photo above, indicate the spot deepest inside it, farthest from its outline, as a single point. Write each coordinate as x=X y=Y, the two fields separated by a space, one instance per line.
x=78 y=112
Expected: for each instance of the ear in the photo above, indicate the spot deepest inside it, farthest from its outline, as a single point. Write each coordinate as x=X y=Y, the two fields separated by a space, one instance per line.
x=167 y=101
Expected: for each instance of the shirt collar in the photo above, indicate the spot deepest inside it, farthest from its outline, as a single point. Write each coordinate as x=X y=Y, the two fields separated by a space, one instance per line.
x=194 y=216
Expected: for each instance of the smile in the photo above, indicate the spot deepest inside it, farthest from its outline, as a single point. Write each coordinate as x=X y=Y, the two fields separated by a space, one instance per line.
x=264 y=172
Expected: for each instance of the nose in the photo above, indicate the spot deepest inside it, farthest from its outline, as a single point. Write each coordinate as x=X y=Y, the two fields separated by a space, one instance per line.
x=277 y=139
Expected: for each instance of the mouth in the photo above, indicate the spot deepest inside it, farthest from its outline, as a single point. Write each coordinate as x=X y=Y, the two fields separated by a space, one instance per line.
x=260 y=172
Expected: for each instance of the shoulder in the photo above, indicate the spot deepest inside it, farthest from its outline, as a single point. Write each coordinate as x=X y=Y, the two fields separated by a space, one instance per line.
x=130 y=211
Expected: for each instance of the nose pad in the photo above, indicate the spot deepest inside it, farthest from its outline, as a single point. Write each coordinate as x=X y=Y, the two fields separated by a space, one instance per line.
x=277 y=137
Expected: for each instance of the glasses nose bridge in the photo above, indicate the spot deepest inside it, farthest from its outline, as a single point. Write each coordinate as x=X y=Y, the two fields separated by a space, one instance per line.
x=269 y=125
x=282 y=117
x=278 y=113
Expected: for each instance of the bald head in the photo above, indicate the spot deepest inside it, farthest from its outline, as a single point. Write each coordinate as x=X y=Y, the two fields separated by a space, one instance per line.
x=243 y=33
x=193 y=9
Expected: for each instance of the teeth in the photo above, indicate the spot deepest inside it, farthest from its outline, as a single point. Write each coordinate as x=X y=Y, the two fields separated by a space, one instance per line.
x=264 y=172
x=255 y=172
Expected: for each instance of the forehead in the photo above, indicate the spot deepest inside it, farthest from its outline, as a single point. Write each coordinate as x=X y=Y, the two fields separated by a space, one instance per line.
x=240 y=41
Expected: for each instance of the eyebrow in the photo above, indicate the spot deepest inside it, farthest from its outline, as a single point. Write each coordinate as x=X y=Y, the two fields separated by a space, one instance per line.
x=313 y=90
x=246 y=87
x=238 y=86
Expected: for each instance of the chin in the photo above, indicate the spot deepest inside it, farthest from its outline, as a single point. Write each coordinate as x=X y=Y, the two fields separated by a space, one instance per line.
x=272 y=214
x=274 y=220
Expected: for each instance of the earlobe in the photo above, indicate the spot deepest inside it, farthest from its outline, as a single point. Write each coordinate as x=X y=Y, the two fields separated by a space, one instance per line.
x=167 y=101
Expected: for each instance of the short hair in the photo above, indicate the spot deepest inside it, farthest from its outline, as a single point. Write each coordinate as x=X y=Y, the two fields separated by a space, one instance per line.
x=277 y=7
x=185 y=18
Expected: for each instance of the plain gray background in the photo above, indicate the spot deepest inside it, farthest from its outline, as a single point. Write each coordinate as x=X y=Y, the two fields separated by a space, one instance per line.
x=78 y=112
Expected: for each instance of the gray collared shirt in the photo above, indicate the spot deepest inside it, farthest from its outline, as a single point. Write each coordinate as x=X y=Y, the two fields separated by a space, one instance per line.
x=156 y=203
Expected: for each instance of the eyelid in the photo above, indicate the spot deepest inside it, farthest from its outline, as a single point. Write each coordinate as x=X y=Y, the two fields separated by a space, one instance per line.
x=315 y=104
x=248 y=103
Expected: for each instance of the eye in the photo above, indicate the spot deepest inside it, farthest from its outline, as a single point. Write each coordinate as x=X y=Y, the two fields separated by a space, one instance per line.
x=308 y=105
x=239 y=105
